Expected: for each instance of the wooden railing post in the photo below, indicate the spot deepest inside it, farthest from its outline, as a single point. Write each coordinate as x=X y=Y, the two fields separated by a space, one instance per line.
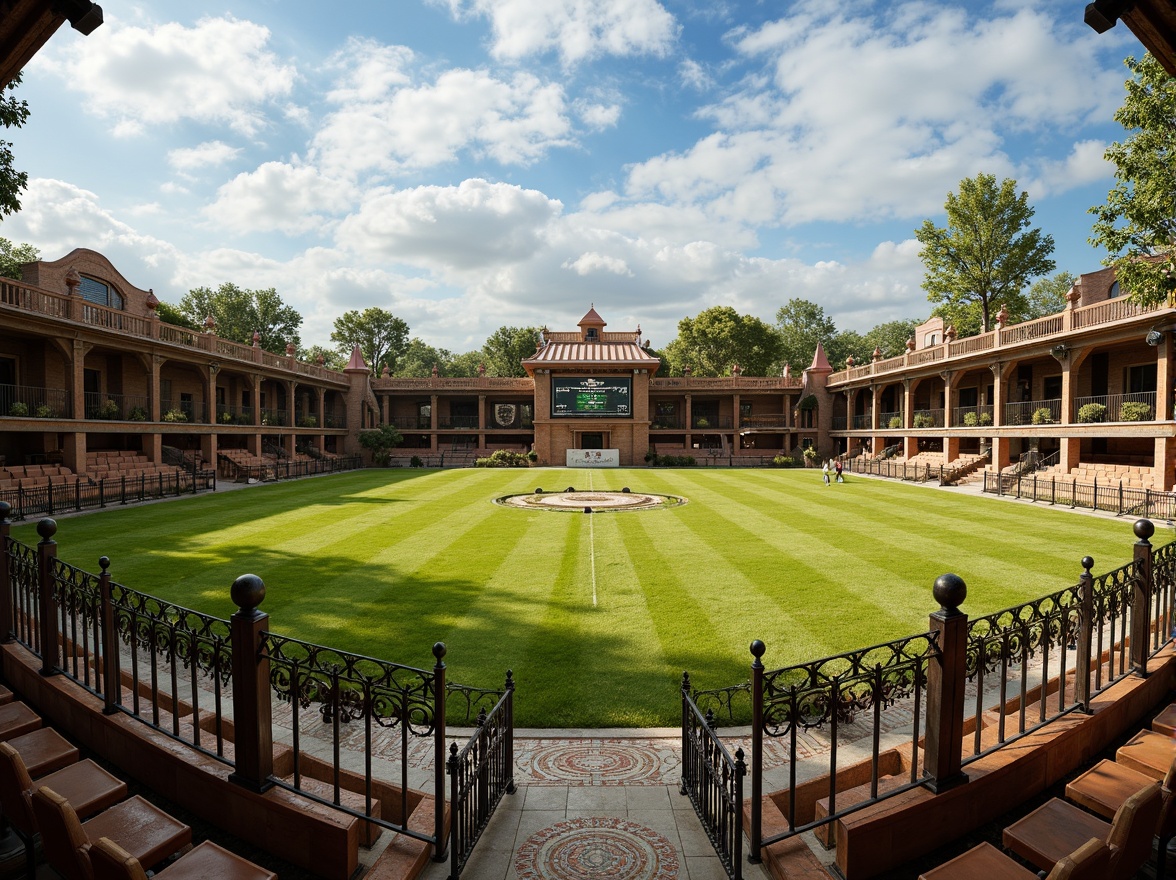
x=47 y=604
x=946 y=677
x=439 y=756
x=111 y=675
x=1141 y=597
x=252 y=712
x=1085 y=635
x=7 y=633
x=757 y=751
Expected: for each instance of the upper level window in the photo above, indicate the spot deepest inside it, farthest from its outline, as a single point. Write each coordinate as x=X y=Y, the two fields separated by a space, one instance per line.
x=930 y=339
x=1115 y=291
x=100 y=293
x=592 y=334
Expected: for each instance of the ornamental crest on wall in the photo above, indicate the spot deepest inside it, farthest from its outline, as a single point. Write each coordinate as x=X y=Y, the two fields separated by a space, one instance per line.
x=504 y=414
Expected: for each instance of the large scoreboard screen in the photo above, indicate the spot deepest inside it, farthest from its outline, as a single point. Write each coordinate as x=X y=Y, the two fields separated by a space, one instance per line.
x=591 y=397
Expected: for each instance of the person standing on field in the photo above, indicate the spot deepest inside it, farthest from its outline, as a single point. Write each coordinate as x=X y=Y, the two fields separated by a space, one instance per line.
x=825 y=472
x=837 y=467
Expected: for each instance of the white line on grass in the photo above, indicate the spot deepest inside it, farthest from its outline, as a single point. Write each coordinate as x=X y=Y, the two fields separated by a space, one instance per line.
x=592 y=544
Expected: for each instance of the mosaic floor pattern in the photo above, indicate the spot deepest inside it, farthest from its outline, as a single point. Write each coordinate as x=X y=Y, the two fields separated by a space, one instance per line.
x=581 y=849
x=597 y=762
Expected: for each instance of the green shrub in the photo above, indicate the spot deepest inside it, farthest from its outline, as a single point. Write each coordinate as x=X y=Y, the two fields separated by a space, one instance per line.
x=532 y=456
x=308 y=422
x=108 y=410
x=922 y=420
x=985 y=420
x=137 y=414
x=18 y=410
x=971 y=419
x=225 y=418
x=1042 y=416
x=1092 y=412
x=44 y=411
x=502 y=458
x=415 y=461
x=783 y=461
x=175 y=415
x=896 y=421
x=701 y=423
x=1134 y=411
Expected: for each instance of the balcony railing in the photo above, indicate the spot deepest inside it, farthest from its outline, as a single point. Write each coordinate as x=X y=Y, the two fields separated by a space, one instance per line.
x=840 y=423
x=972 y=417
x=1033 y=412
x=123 y=407
x=275 y=418
x=927 y=418
x=889 y=420
x=447 y=423
x=182 y=411
x=32 y=402
x=410 y=423
x=234 y=415
x=863 y=422
x=711 y=423
x=668 y=423
x=1139 y=406
x=766 y=420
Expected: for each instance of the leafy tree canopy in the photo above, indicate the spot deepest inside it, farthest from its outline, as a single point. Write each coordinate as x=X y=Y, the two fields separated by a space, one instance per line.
x=380 y=441
x=332 y=359
x=1138 y=220
x=802 y=324
x=987 y=252
x=382 y=337
x=890 y=338
x=169 y=314
x=420 y=358
x=12 y=255
x=240 y=312
x=506 y=349
x=716 y=339
x=1047 y=296
x=13 y=114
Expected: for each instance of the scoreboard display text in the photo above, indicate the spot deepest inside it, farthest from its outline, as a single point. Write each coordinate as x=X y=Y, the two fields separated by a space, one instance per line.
x=591 y=398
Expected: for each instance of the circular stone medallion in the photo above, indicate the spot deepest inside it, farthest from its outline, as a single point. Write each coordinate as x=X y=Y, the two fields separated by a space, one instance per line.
x=581 y=849
x=598 y=501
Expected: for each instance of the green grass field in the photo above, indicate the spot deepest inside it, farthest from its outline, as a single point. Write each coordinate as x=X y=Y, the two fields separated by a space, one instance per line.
x=387 y=562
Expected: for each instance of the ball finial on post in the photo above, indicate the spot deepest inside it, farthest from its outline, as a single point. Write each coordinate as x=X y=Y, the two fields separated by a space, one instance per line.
x=247 y=592
x=439 y=650
x=47 y=528
x=949 y=591
x=104 y=563
x=1144 y=529
x=5 y=509
x=758 y=649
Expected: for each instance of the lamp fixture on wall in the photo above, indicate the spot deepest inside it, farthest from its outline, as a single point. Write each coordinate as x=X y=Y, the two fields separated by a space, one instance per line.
x=1154 y=337
x=1060 y=352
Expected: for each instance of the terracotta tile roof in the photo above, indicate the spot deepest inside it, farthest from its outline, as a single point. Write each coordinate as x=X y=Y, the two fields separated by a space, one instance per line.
x=356 y=362
x=592 y=353
x=592 y=318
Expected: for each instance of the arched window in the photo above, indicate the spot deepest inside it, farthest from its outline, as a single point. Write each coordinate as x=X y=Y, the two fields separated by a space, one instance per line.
x=100 y=293
x=1115 y=291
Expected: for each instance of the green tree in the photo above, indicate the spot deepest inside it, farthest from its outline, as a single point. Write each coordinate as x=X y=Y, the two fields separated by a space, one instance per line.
x=420 y=358
x=1137 y=225
x=507 y=348
x=844 y=344
x=380 y=442
x=332 y=359
x=890 y=338
x=239 y=313
x=987 y=252
x=716 y=339
x=12 y=255
x=465 y=364
x=382 y=337
x=170 y=314
x=1047 y=296
x=802 y=324
x=963 y=316
x=13 y=114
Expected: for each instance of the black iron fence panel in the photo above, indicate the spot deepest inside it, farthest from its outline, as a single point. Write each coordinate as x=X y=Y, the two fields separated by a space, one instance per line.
x=1111 y=624
x=66 y=496
x=341 y=688
x=1110 y=497
x=713 y=780
x=837 y=692
x=80 y=608
x=1163 y=587
x=1021 y=647
x=480 y=773
x=173 y=666
x=22 y=569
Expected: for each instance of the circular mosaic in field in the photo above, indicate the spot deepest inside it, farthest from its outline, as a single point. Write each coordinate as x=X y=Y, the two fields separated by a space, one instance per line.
x=581 y=849
x=597 y=501
x=597 y=762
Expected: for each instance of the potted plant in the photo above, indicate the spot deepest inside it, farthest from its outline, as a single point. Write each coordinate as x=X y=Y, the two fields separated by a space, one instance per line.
x=1092 y=412
x=1134 y=411
x=137 y=414
x=810 y=456
x=108 y=410
x=225 y=418
x=19 y=410
x=923 y=420
x=971 y=419
x=701 y=422
x=44 y=411
x=895 y=422
x=308 y=422
x=175 y=415
x=1042 y=416
x=985 y=420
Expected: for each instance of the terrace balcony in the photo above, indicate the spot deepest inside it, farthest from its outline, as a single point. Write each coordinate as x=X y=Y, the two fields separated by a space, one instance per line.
x=766 y=420
x=275 y=418
x=668 y=423
x=972 y=416
x=410 y=423
x=1033 y=412
x=888 y=420
x=34 y=402
x=1139 y=406
x=708 y=423
x=234 y=415
x=461 y=423
x=120 y=407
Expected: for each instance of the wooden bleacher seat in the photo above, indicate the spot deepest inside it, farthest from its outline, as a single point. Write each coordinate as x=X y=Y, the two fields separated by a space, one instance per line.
x=44 y=751
x=1165 y=723
x=16 y=719
x=1057 y=828
x=985 y=862
x=1106 y=786
x=112 y=862
x=143 y=830
x=1148 y=752
x=88 y=787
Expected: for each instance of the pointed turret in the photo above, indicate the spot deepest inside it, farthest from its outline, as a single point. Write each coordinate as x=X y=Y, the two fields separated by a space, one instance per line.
x=357 y=362
x=820 y=362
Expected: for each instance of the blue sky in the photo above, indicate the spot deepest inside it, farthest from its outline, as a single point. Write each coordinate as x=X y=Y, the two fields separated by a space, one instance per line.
x=473 y=163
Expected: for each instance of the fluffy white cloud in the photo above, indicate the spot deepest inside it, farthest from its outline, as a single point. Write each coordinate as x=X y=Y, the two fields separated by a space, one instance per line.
x=278 y=195
x=474 y=226
x=1085 y=164
x=591 y=262
x=513 y=121
x=209 y=153
x=217 y=72
x=576 y=30
x=880 y=115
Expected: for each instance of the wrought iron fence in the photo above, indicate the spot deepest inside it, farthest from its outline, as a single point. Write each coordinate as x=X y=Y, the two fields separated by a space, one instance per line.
x=917 y=472
x=1110 y=497
x=125 y=407
x=1139 y=406
x=32 y=402
x=713 y=780
x=971 y=417
x=480 y=773
x=80 y=493
x=287 y=469
x=1033 y=412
